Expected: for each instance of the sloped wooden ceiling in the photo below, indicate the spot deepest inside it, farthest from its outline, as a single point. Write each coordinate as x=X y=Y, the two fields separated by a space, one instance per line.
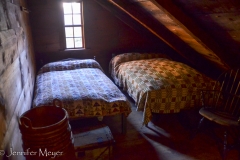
x=206 y=32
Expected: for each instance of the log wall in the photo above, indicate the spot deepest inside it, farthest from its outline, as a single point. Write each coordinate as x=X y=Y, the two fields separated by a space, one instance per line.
x=17 y=72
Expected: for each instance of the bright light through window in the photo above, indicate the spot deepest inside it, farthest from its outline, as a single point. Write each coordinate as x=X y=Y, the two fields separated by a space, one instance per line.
x=73 y=25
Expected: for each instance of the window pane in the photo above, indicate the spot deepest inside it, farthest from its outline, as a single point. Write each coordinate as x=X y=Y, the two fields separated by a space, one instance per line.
x=78 y=42
x=77 y=32
x=69 y=31
x=76 y=7
x=69 y=43
x=73 y=24
x=77 y=19
x=67 y=8
x=68 y=19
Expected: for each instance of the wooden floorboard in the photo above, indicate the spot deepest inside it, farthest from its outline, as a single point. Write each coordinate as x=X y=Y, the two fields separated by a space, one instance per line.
x=166 y=138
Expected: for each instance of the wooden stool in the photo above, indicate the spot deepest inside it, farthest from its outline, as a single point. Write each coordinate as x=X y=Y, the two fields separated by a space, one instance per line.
x=93 y=143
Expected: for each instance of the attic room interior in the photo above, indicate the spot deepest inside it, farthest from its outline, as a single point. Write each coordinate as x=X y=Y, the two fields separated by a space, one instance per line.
x=150 y=60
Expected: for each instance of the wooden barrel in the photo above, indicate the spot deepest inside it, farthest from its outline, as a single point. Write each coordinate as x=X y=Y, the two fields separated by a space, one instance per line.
x=46 y=133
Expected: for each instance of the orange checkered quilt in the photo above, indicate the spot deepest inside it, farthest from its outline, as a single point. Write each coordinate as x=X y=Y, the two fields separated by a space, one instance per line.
x=158 y=85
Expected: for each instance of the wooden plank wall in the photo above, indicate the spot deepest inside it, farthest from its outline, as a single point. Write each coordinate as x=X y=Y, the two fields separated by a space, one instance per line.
x=104 y=34
x=17 y=72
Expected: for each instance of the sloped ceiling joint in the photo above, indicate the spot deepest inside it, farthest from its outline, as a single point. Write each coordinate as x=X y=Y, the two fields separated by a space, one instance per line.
x=211 y=50
x=124 y=17
x=165 y=36
x=143 y=24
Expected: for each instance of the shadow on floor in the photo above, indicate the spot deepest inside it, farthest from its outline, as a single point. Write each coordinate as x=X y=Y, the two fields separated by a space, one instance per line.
x=167 y=137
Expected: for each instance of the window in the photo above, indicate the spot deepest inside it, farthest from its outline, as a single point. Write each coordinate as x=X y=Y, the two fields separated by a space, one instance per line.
x=73 y=25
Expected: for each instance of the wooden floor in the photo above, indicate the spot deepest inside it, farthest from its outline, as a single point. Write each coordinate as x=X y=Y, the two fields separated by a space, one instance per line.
x=166 y=138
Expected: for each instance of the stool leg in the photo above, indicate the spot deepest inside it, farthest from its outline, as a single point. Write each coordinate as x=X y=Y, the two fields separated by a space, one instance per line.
x=238 y=147
x=198 y=128
x=124 y=123
x=109 y=149
x=225 y=145
x=201 y=123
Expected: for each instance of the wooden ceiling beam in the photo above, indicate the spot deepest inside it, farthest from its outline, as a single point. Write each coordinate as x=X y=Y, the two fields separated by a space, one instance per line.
x=191 y=27
x=122 y=11
x=126 y=19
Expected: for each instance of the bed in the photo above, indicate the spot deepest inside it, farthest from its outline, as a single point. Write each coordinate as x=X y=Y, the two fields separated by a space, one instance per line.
x=82 y=87
x=158 y=84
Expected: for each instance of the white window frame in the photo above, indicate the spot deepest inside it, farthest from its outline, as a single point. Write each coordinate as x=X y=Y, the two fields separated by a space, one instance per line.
x=72 y=25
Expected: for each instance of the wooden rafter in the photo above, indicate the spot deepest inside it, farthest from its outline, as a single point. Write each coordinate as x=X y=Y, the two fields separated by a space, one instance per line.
x=120 y=10
x=192 y=28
